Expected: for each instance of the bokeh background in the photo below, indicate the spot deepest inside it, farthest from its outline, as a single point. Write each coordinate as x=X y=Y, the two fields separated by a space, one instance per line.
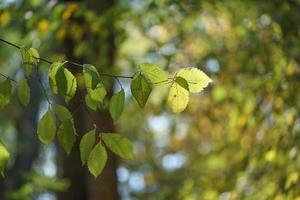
x=238 y=139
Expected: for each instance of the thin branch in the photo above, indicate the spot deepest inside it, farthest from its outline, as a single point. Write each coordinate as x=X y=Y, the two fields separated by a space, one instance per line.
x=9 y=43
x=11 y=79
x=70 y=62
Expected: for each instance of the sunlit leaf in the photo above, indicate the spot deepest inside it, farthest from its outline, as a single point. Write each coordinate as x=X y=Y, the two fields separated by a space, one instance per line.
x=4 y=157
x=140 y=89
x=116 y=105
x=178 y=97
x=118 y=144
x=46 y=128
x=67 y=135
x=5 y=92
x=92 y=104
x=86 y=145
x=98 y=94
x=196 y=79
x=34 y=55
x=23 y=91
x=97 y=160
x=154 y=73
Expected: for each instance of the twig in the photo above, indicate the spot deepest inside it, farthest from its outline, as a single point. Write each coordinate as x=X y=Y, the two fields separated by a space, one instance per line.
x=70 y=62
x=11 y=79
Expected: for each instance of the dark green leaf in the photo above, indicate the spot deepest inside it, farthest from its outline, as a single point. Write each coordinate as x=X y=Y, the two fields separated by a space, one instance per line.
x=140 y=89
x=66 y=84
x=95 y=88
x=116 y=105
x=91 y=76
x=182 y=82
x=51 y=75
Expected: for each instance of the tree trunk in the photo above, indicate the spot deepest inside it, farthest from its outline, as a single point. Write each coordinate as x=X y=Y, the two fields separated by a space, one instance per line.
x=83 y=185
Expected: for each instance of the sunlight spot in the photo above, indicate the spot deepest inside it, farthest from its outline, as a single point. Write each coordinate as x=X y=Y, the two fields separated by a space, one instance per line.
x=136 y=181
x=212 y=65
x=173 y=161
x=123 y=174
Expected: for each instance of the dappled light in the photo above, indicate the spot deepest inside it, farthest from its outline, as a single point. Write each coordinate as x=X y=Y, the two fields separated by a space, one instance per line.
x=153 y=99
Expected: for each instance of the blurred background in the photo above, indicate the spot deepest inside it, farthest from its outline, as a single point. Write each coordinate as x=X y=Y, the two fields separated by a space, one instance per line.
x=238 y=139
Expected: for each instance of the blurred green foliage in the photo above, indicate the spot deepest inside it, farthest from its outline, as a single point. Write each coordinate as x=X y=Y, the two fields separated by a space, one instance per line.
x=237 y=140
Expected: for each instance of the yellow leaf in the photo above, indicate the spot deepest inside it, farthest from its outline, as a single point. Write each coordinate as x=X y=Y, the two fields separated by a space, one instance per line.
x=196 y=79
x=178 y=96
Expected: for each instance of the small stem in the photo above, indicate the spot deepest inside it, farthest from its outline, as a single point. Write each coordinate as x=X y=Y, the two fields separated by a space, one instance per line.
x=115 y=76
x=13 y=80
x=71 y=62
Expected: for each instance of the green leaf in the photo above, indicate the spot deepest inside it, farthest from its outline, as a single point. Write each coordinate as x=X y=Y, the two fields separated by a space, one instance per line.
x=66 y=132
x=97 y=160
x=67 y=135
x=66 y=84
x=98 y=94
x=95 y=88
x=182 y=82
x=23 y=91
x=63 y=113
x=116 y=105
x=86 y=145
x=92 y=104
x=62 y=81
x=91 y=76
x=178 y=97
x=46 y=128
x=118 y=144
x=196 y=79
x=154 y=73
x=30 y=57
x=51 y=75
x=140 y=89
x=5 y=92
x=4 y=157
x=34 y=56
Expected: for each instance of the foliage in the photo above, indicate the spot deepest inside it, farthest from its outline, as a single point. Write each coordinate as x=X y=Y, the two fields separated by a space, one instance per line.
x=64 y=84
x=238 y=139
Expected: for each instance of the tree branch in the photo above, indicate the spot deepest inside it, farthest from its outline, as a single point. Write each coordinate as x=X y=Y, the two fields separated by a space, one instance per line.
x=51 y=62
